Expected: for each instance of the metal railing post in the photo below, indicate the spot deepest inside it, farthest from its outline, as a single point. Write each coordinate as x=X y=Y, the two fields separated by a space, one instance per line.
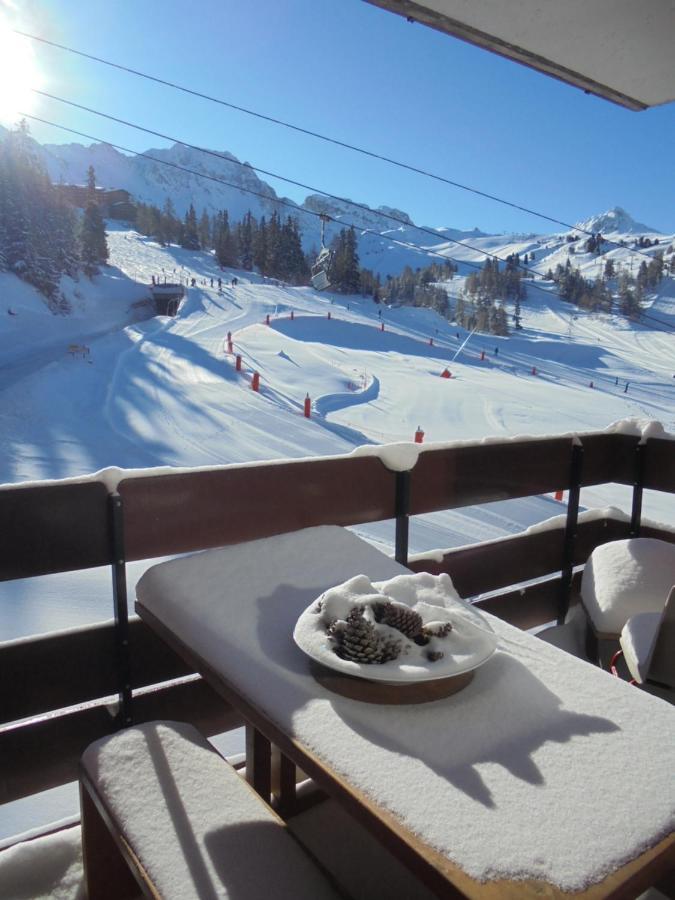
x=636 y=511
x=402 y=507
x=570 y=532
x=119 y=578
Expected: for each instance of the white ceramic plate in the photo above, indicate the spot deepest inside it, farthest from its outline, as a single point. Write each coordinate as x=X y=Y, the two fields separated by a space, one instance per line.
x=470 y=643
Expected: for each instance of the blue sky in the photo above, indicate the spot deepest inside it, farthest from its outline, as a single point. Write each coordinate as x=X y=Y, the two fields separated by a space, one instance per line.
x=352 y=71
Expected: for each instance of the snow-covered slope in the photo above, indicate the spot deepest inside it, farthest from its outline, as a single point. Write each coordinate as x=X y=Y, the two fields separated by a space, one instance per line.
x=165 y=392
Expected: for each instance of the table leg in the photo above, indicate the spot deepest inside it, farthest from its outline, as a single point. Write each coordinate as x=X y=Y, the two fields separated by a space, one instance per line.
x=283 y=783
x=258 y=762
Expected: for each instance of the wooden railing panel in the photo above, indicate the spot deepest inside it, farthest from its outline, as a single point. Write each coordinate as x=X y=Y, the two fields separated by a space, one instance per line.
x=526 y=607
x=58 y=670
x=608 y=458
x=55 y=528
x=179 y=513
x=659 y=471
x=489 y=566
x=465 y=476
x=46 y=753
x=654 y=531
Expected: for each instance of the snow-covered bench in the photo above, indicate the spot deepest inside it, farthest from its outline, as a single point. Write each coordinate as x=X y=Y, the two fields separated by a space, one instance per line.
x=164 y=813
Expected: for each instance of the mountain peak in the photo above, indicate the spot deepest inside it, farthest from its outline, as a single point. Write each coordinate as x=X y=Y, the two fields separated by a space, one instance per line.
x=615 y=221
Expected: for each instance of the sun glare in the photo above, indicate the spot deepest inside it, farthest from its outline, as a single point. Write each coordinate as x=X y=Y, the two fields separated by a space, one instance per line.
x=18 y=74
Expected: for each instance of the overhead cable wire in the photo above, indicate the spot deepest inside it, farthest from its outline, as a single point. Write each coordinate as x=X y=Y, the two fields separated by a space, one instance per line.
x=322 y=137
x=280 y=201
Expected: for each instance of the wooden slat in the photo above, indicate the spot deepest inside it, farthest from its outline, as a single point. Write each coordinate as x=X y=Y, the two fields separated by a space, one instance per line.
x=55 y=528
x=41 y=755
x=463 y=476
x=654 y=531
x=65 y=668
x=195 y=511
x=529 y=606
x=608 y=458
x=660 y=465
x=488 y=566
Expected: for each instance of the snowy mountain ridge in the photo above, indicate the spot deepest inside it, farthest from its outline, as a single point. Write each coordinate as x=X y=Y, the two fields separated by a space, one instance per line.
x=615 y=221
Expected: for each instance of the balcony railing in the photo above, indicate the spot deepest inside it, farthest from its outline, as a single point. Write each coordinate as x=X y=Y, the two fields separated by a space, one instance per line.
x=60 y=691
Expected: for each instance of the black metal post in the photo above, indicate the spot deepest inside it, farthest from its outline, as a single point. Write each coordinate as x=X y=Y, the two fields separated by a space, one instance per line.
x=119 y=577
x=636 y=511
x=402 y=506
x=570 y=532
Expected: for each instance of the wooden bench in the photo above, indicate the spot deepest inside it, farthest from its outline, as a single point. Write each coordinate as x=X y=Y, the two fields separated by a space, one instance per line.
x=164 y=815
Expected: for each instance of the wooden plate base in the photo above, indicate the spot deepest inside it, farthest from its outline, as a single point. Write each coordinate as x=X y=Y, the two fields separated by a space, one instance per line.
x=392 y=694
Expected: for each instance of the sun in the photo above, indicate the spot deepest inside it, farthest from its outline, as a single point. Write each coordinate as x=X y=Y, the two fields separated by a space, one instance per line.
x=18 y=75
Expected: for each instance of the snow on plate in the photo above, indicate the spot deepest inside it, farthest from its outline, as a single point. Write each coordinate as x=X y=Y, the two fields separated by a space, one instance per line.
x=413 y=627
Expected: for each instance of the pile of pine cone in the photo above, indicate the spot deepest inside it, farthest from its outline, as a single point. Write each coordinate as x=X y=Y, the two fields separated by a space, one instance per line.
x=357 y=639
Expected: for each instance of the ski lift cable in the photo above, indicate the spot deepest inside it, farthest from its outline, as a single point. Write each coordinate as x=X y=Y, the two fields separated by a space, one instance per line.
x=315 y=134
x=279 y=201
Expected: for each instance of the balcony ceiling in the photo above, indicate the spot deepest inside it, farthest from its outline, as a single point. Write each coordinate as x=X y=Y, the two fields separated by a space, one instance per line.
x=618 y=49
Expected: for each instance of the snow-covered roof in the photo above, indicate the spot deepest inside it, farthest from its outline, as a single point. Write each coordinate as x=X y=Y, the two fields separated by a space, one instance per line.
x=617 y=49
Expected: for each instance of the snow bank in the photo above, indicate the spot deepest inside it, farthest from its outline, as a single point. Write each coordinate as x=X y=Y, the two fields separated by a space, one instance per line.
x=46 y=868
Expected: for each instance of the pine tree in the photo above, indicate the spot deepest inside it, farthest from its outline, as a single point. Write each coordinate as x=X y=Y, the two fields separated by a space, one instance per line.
x=260 y=247
x=168 y=223
x=93 y=240
x=245 y=233
x=204 y=231
x=274 y=251
x=225 y=244
x=92 y=235
x=190 y=237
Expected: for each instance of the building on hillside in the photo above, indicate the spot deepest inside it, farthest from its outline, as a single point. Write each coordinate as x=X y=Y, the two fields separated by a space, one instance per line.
x=115 y=203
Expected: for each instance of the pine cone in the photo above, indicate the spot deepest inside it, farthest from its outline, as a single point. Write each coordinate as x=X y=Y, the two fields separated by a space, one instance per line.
x=402 y=618
x=437 y=630
x=358 y=641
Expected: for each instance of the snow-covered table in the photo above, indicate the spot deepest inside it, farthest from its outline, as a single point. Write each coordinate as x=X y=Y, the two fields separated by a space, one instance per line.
x=545 y=775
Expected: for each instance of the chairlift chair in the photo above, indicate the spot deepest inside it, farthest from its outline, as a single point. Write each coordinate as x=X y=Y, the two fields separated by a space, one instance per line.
x=320 y=280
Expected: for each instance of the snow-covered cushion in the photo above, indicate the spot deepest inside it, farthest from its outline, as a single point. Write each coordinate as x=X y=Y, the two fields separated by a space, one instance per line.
x=623 y=578
x=196 y=827
x=637 y=642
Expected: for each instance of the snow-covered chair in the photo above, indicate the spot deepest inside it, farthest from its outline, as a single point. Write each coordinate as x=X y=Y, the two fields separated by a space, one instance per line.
x=648 y=645
x=624 y=578
x=164 y=813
